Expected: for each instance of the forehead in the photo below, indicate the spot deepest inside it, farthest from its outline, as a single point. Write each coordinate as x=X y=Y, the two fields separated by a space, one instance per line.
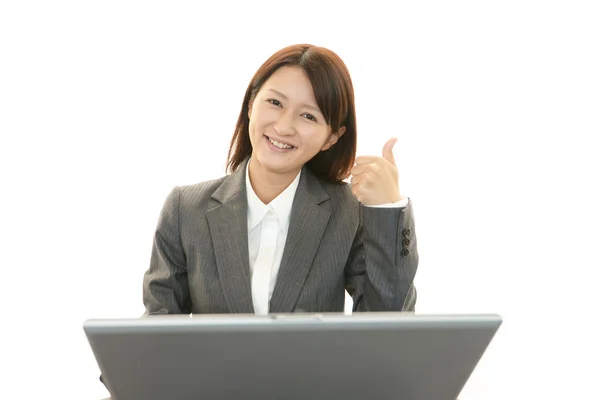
x=292 y=82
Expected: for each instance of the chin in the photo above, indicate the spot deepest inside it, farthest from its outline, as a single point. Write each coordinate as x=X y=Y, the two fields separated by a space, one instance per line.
x=274 y=165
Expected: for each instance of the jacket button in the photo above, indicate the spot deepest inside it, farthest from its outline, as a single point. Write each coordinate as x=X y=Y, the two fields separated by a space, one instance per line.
x=406 y=232
x=405 y=252
x=406 y=242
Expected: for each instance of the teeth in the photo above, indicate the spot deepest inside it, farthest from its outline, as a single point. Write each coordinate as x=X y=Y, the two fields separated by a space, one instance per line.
x=280 y=145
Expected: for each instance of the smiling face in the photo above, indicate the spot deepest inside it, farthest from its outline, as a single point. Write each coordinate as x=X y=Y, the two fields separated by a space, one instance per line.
x=286 y=127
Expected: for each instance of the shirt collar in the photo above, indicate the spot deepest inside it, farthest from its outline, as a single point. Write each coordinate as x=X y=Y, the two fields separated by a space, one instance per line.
x=281 y=205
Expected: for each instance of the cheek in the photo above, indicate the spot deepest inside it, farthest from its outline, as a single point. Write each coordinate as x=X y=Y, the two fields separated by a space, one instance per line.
x=251 y=128
x=316 y=138
x=253 y=133
x=262 y=118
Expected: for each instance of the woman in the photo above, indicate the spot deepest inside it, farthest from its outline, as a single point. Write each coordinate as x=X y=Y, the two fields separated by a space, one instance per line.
x=283 y=232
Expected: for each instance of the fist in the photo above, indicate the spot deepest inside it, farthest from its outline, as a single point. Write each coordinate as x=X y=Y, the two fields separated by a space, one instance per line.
x=375 y=179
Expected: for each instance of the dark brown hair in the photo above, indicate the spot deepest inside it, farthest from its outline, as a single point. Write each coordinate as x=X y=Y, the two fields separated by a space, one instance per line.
x=334 y=94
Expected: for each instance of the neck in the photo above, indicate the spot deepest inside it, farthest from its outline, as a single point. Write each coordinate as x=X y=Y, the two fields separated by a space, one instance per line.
x=268 y=184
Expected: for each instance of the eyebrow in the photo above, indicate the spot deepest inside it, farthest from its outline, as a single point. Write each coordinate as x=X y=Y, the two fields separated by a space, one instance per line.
x=287 y=98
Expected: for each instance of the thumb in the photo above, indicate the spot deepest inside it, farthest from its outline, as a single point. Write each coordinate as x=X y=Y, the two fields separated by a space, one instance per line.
x=387 y=150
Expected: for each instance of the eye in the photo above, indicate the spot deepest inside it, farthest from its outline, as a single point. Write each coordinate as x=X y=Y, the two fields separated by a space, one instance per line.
x=274 y=102
x=310 y=117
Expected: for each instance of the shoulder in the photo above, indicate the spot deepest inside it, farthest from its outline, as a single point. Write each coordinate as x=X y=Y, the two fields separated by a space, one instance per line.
x=344 y=207
x=342 y=190
x=340 y=195
x=196 y=194
x=201 y=189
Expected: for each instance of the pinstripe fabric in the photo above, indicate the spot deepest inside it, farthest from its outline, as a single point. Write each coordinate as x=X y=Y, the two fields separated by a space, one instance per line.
x=199 y=260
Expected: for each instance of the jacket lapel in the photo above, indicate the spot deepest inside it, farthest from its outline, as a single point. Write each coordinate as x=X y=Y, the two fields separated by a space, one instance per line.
x=308 y=221
x=228 y=229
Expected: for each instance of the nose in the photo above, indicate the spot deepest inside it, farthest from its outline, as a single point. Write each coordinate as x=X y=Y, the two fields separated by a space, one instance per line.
x=284 y=126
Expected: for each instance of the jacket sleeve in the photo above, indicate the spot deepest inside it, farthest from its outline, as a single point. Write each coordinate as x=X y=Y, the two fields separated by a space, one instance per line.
x=383 y=260
x=165 y=283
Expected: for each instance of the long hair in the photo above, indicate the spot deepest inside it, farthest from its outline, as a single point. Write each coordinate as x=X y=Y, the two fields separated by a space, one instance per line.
x=334 y=94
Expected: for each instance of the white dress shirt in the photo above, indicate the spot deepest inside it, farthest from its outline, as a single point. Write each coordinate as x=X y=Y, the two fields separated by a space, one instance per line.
x=267 y=232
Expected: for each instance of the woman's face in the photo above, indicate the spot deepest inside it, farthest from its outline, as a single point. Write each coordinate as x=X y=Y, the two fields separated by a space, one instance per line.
x=286 y=126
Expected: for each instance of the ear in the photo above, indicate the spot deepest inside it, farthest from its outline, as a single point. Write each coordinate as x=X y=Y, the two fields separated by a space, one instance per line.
x=333 y=138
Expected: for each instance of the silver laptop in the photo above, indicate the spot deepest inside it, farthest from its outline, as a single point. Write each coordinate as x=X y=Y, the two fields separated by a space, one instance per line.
x=293 y=356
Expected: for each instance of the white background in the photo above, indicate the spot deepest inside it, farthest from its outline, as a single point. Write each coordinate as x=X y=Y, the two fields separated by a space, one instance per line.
x=105 y=106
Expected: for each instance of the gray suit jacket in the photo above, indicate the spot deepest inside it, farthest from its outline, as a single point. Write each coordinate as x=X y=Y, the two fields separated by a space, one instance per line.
x=199 y=261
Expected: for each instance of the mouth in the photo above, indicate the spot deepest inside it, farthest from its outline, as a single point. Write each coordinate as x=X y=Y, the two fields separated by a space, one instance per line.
x=279 y=146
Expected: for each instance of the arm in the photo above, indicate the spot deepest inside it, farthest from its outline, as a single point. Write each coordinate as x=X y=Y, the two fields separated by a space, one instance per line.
x=382 y=263
x=165 y=285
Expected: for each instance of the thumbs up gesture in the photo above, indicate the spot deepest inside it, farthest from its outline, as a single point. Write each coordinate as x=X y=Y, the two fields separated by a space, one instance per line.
x=375 y=179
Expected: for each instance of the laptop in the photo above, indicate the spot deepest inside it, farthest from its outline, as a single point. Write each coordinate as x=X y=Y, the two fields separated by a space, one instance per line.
x=379 y=356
